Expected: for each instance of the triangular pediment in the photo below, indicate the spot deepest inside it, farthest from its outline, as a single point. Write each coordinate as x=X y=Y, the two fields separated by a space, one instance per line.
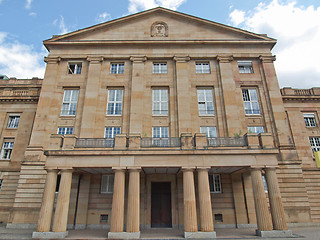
x=159 y=24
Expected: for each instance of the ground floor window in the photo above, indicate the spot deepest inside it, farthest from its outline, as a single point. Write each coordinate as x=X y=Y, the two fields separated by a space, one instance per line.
x=107 y=183
x=315 y=143
x=215 y=183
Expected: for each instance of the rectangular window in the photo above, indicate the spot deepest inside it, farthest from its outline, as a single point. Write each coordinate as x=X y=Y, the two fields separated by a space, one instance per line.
x=114 y=106
x=111 y=132
x=250 y=100
x=202 y=67
x=205 y=102
x=117 y=68
x=107 y=183
x=160 y=68
x=0 y=184
x=65 y=130
x=255 y=129
x=215 y=183
x=160 y=132
x=245 y=67
x=160 y=102
x=6 y=150
x=309 y=119
x=69 y=104
x=13 y=121
x=74 y=68
x=209 y=131
x=315 y=143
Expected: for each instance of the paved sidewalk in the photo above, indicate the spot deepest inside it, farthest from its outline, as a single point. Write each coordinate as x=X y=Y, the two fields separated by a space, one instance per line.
x=305 y=233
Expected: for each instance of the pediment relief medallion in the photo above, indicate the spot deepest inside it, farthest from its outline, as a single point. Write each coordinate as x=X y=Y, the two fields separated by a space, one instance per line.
x=159 y=29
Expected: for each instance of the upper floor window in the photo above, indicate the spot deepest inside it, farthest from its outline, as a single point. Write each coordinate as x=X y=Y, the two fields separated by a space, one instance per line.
x=107 y=183
x=111 y=132
x=65 y=130
x=117 y=68
x=250 y=100
x=114 y=105
x=315 y=143
x=202 y=67
x=209 y=131
x=69 y=104
x=160 y=132
x=309 y=119
x=205 y=101
x=160 y=68
x=13 y=121
x=6 y=150
x=255 y=129
x=215 y=183
x=160 y=102
x=74 y=68
x=245 y=67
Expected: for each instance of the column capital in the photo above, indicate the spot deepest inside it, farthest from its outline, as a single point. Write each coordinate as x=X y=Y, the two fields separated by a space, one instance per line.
x=188 y=169
x=51 y=170
x=256 y=168
x=270 y=168
x=52 y=59
x=119 y=169
x=95 y=60
x=138 y=59
x=134 y=169
x=225 y=59
x=206 y=169
x=181 y=59
x=267 y=59
x=66 y=170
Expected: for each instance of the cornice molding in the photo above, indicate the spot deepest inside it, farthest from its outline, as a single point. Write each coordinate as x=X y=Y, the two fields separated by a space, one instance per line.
x=181 y=59
x=53 y=60
x=225 y=59
x=95 y=60
x=267 y=59
x=138 y=59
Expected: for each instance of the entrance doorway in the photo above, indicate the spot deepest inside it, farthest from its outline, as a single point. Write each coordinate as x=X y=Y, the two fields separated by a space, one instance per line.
x=161 y=216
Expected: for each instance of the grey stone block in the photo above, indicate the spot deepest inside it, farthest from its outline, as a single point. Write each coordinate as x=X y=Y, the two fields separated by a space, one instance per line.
x=206 y=235
x=49 y=235
x=274 y=233
x=123 y=235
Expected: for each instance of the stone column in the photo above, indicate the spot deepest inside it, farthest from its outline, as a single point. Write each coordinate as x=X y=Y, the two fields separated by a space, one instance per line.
x=189 y=200
x=44 y=221
x=133 y=213
x=62 y=207
x=260 y=201
x=206 y=220
x=277 y=211
x=118 y=201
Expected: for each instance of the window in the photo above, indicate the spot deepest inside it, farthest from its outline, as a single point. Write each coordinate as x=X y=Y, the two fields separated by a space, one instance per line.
x=205 y=102
x=160 y=102
x=74 y=68
x=107 y=183
x=104 y=218
x=218 y=217
x=117 y=68
x=245 y=67
x=114 y=106
x=255 y=129
x=65 y=130
x=202 y=68
x=209 y=131
x=250 y=100
x=215 y=183
x=6 y=149
x=160 y=132
x=265 y=183
x=111 y=132
x=69 y=104
x=0 y=184
x=58 y=182
x=315 y=143
x=159 y=67
x=13 y=121
x=309 y=119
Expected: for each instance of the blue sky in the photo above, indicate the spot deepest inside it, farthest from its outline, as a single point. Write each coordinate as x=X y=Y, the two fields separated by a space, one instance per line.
x=24 y=24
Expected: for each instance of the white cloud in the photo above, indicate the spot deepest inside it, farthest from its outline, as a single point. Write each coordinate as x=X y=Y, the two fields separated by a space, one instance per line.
x=62 y=26
x=103 y=17
x=32 y=14
x=20 y=60
x=297 y=29
x=139 y=5
x=28 y=4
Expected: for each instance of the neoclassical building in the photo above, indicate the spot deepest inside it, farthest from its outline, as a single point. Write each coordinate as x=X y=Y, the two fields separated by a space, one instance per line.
x=158 y=120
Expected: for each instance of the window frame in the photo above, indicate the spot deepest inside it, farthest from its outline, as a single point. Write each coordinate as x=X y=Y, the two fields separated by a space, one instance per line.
x=113 y=132
x=256 y=129
x=119 y=68
x=1 y=182
x=160 y=69
x=251 y=101
x=205 y=102
x=77 y=68
x=114 y=102
x=109 y=188
x=307 y=116
x=201 y=69
x=15 y=121
x=205 y=129
x=65 y=130
x=213 y=185
x=247 y=67
x=315 y=143
x=70 y=102
x=8 y=149
x=160 y=101
x=161 y=132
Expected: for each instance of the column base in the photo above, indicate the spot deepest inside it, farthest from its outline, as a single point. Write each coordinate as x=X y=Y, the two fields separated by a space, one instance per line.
x=123 y=235
x=206 y=235
x=274 y=233
x=49 y=235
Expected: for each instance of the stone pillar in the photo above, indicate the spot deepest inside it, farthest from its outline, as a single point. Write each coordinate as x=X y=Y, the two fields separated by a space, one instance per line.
x=189 y=199
x=83 y=201
x=133 y=212
x=118 y=201
x=62 y=207
x=277 y=211
x=260 y=201
x=206 y=220
x=44 y=221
